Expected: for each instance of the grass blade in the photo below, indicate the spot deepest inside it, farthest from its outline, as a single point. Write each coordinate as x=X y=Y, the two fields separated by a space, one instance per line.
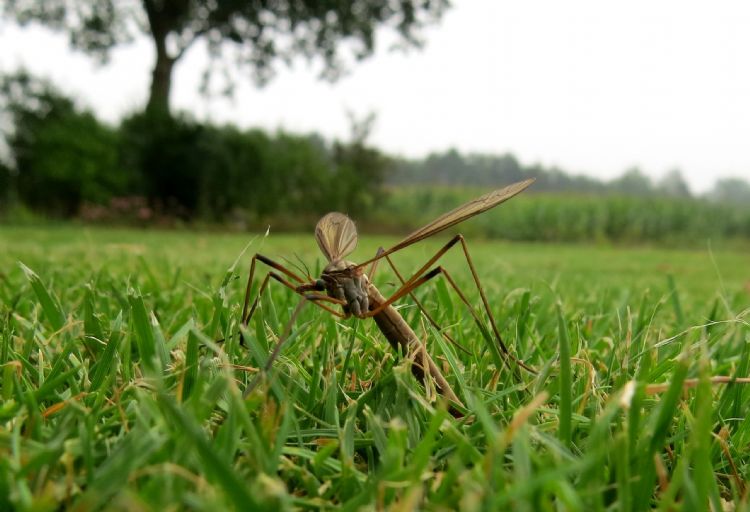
x=51 y=307
x=566 y=381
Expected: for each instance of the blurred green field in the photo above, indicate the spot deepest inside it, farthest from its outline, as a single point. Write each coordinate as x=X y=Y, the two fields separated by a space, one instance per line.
x=115 y=395
x=202 y=257
x=568 y=217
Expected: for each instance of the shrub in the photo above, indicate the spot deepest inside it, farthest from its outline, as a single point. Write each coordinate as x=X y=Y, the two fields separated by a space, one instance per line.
x=5 y=187
x=63 y=156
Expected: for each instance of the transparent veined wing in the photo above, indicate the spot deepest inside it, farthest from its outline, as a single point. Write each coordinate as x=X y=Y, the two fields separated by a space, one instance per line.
x=460 y=214
x=336 y=235
x=465 y=211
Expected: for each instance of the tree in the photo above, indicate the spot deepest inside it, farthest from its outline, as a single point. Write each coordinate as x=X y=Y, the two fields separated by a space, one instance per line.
x=674 y=184
x=257 y=33
x=62 y=155
x=632 y=182
x=731 y=190
x=5 y=186
x=360 y=169
x=447 y=168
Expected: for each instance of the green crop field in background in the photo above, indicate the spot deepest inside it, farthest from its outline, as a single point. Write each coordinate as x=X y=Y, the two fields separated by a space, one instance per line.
x=115 y=394
x=569 y=217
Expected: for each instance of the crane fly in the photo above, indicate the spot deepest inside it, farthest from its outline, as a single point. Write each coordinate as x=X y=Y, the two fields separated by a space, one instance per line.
x=345 y=289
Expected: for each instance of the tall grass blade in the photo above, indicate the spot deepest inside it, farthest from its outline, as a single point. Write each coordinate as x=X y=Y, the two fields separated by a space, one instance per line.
x=51 y=306
x=566 y=381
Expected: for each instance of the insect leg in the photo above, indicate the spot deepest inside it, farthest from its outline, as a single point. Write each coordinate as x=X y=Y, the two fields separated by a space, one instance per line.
x=419 y=277
x=248 y=310
x=374 y=266
x=267 y=261
x=423 y=310
x=276 y=350
x=315 y=298
x=434 y=323
x=478 y=320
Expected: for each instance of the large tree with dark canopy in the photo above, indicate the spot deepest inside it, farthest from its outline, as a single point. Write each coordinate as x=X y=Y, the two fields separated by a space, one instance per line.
x=251 y=34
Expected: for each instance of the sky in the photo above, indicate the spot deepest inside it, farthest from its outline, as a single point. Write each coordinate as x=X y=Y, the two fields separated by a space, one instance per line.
x=592 y=87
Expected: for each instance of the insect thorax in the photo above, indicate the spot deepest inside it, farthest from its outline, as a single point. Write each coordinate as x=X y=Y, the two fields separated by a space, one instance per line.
x=345 y=281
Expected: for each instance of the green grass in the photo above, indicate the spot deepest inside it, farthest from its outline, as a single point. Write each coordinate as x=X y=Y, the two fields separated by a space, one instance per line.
x=115 y=395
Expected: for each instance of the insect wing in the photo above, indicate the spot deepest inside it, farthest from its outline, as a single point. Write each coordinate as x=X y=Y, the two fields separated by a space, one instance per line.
x=336 y=235
x=463 y=212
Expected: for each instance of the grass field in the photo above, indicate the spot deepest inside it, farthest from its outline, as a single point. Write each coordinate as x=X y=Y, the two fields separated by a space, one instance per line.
x=115 y=395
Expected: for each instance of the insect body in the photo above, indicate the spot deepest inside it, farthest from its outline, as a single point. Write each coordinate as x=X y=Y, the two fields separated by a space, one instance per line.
x=344 y=281
x=347 y=285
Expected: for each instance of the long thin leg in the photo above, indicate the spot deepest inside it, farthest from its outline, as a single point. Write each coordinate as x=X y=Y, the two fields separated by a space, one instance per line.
x=270 y=263
x=276 y=350
x=477 y=319
x=419 y=304
x=436 y=272
x=374 y=266
x=413 y=297
x=248 y=310
x=315 y=298
x=419 y=277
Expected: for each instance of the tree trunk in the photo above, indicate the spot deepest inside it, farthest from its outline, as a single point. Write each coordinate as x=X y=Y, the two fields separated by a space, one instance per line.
x=161 y=77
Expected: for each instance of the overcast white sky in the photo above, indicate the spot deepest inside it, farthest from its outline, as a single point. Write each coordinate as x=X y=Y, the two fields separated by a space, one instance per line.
x=593 y=87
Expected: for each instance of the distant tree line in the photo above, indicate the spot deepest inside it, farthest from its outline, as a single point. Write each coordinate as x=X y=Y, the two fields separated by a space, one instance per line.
x=451 y=168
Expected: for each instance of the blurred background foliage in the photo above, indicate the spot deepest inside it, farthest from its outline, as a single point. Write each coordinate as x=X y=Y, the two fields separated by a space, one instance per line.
x=61 y=162
x=254 y=37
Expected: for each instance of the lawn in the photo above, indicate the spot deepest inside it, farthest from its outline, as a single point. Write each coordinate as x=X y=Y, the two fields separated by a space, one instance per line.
x=116 y=394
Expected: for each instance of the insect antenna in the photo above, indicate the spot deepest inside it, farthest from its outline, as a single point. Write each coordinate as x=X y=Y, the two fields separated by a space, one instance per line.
x=299 y=265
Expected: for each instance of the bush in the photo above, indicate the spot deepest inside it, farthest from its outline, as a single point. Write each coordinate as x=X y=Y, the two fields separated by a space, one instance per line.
x=67 y=163
x=5 y=187
x=194 y=170
x=359 y=172
x=63 y=156
x=167 y=158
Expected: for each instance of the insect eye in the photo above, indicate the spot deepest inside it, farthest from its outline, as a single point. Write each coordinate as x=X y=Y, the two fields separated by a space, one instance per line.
x=320 y=285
